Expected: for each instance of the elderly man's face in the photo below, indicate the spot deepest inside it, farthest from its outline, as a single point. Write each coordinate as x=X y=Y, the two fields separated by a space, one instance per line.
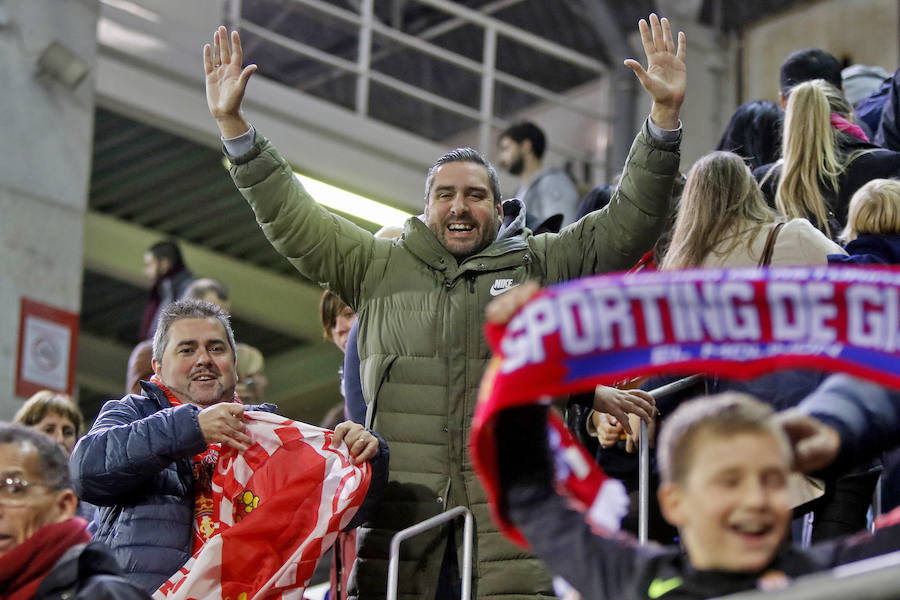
x=461 y=210
x=25 y=509
x=197 y=364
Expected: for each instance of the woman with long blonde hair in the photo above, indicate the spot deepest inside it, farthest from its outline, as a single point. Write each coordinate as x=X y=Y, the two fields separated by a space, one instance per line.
x=826 y=158
x=723 y=221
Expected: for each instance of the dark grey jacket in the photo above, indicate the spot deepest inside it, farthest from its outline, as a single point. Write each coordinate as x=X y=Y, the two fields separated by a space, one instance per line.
x=87 y=572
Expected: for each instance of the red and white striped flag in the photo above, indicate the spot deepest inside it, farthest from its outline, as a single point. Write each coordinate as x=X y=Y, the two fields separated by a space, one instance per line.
x=279 y=505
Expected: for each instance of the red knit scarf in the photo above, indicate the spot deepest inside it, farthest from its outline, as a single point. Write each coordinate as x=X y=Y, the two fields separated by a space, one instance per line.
x=24 y=567
x=205 y=526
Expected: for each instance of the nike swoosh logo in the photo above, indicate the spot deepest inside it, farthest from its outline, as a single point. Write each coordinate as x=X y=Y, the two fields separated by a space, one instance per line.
x=495 y=291
x=658 y=587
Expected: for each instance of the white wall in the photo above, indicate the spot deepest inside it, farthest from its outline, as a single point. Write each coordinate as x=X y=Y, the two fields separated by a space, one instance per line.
x=48 y=130
x=863 y=31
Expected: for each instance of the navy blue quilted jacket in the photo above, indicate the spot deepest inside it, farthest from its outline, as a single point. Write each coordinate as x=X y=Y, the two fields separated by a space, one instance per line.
x=135 y=464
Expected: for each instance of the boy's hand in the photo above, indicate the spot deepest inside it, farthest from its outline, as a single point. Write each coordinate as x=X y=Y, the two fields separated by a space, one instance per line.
x=226 y=82
x=620 y=403
x=665 y=78
x=361 y=444
x=815 y=444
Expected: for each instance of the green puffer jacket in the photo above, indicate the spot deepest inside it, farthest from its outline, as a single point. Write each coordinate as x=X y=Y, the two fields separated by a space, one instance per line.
x=423 y=351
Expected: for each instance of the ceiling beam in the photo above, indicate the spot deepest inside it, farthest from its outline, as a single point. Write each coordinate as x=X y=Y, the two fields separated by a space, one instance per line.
x=115 y=248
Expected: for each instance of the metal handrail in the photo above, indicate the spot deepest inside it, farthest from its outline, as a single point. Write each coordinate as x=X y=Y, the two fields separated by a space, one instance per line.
x=644 y=454
x=520 y=35
x=444 y=517
x=875 y=578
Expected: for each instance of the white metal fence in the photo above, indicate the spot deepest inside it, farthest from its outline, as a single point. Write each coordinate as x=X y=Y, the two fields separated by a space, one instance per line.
x=366 y=26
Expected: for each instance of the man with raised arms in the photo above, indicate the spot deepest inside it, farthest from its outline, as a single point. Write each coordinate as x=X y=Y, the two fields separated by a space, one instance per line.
x=420 y=299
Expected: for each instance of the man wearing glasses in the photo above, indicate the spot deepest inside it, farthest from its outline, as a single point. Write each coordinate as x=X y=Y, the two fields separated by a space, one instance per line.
x=44 y=549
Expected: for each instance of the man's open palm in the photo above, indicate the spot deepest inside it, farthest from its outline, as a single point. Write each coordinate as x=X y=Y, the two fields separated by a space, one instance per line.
x=226 y=80
x=665 y=78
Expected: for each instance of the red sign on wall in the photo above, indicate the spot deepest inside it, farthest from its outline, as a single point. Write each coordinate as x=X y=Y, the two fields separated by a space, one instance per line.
x=48 y=339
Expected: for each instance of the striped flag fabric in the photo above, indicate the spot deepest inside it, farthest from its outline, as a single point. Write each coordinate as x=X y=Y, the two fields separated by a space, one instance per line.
x=279 y=506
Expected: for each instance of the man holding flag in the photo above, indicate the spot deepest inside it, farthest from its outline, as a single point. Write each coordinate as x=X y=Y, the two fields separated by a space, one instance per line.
x=152 y=462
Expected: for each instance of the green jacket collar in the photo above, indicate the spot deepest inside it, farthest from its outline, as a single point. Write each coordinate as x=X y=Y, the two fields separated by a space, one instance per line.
x=420 y=241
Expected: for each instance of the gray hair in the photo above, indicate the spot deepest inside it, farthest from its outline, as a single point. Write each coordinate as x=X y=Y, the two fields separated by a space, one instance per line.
x=188 y=308
x=198 y=288
x=465 y=155
x=52 y=461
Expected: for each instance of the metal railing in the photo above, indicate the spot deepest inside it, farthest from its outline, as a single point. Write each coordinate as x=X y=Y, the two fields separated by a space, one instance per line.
x=669 y=389
x=493 y=29
x=875 y=578
x=435 y=521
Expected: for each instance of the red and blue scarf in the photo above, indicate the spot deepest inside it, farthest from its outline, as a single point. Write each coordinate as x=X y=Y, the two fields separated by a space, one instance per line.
x=737 y=323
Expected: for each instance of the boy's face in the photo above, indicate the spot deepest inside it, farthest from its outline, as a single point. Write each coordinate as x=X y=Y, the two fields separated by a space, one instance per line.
x=732 y=507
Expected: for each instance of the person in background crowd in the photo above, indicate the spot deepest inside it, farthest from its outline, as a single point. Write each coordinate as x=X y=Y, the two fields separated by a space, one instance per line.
x=140 y=367
x=420 y=299
x=888 y=134
x=148 y=459
x=546 y=191
x=723 y=221
x=337 y=319
x=826 y=158
x=45 y=551
x=872 y=234
x=164 y=267
x=860 y=81
x=805 y=65
x=209 y=290
x=866 y=89
x=55 y=415
x=754 y=133
x=251 y=369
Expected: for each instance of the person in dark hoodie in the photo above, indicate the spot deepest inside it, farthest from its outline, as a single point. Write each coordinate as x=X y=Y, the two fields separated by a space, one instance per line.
x=170 y=277
x=872 y=234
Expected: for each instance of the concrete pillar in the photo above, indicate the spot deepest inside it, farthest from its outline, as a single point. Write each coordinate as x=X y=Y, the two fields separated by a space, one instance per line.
x=46 y=129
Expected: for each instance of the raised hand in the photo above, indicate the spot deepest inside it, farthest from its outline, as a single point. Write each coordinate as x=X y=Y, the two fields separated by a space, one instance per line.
x=226 y=82
x=665 y=78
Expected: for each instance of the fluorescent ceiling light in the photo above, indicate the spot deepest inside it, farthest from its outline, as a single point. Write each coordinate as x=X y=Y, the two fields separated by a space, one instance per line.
x=352 y=204
x=134 y=9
